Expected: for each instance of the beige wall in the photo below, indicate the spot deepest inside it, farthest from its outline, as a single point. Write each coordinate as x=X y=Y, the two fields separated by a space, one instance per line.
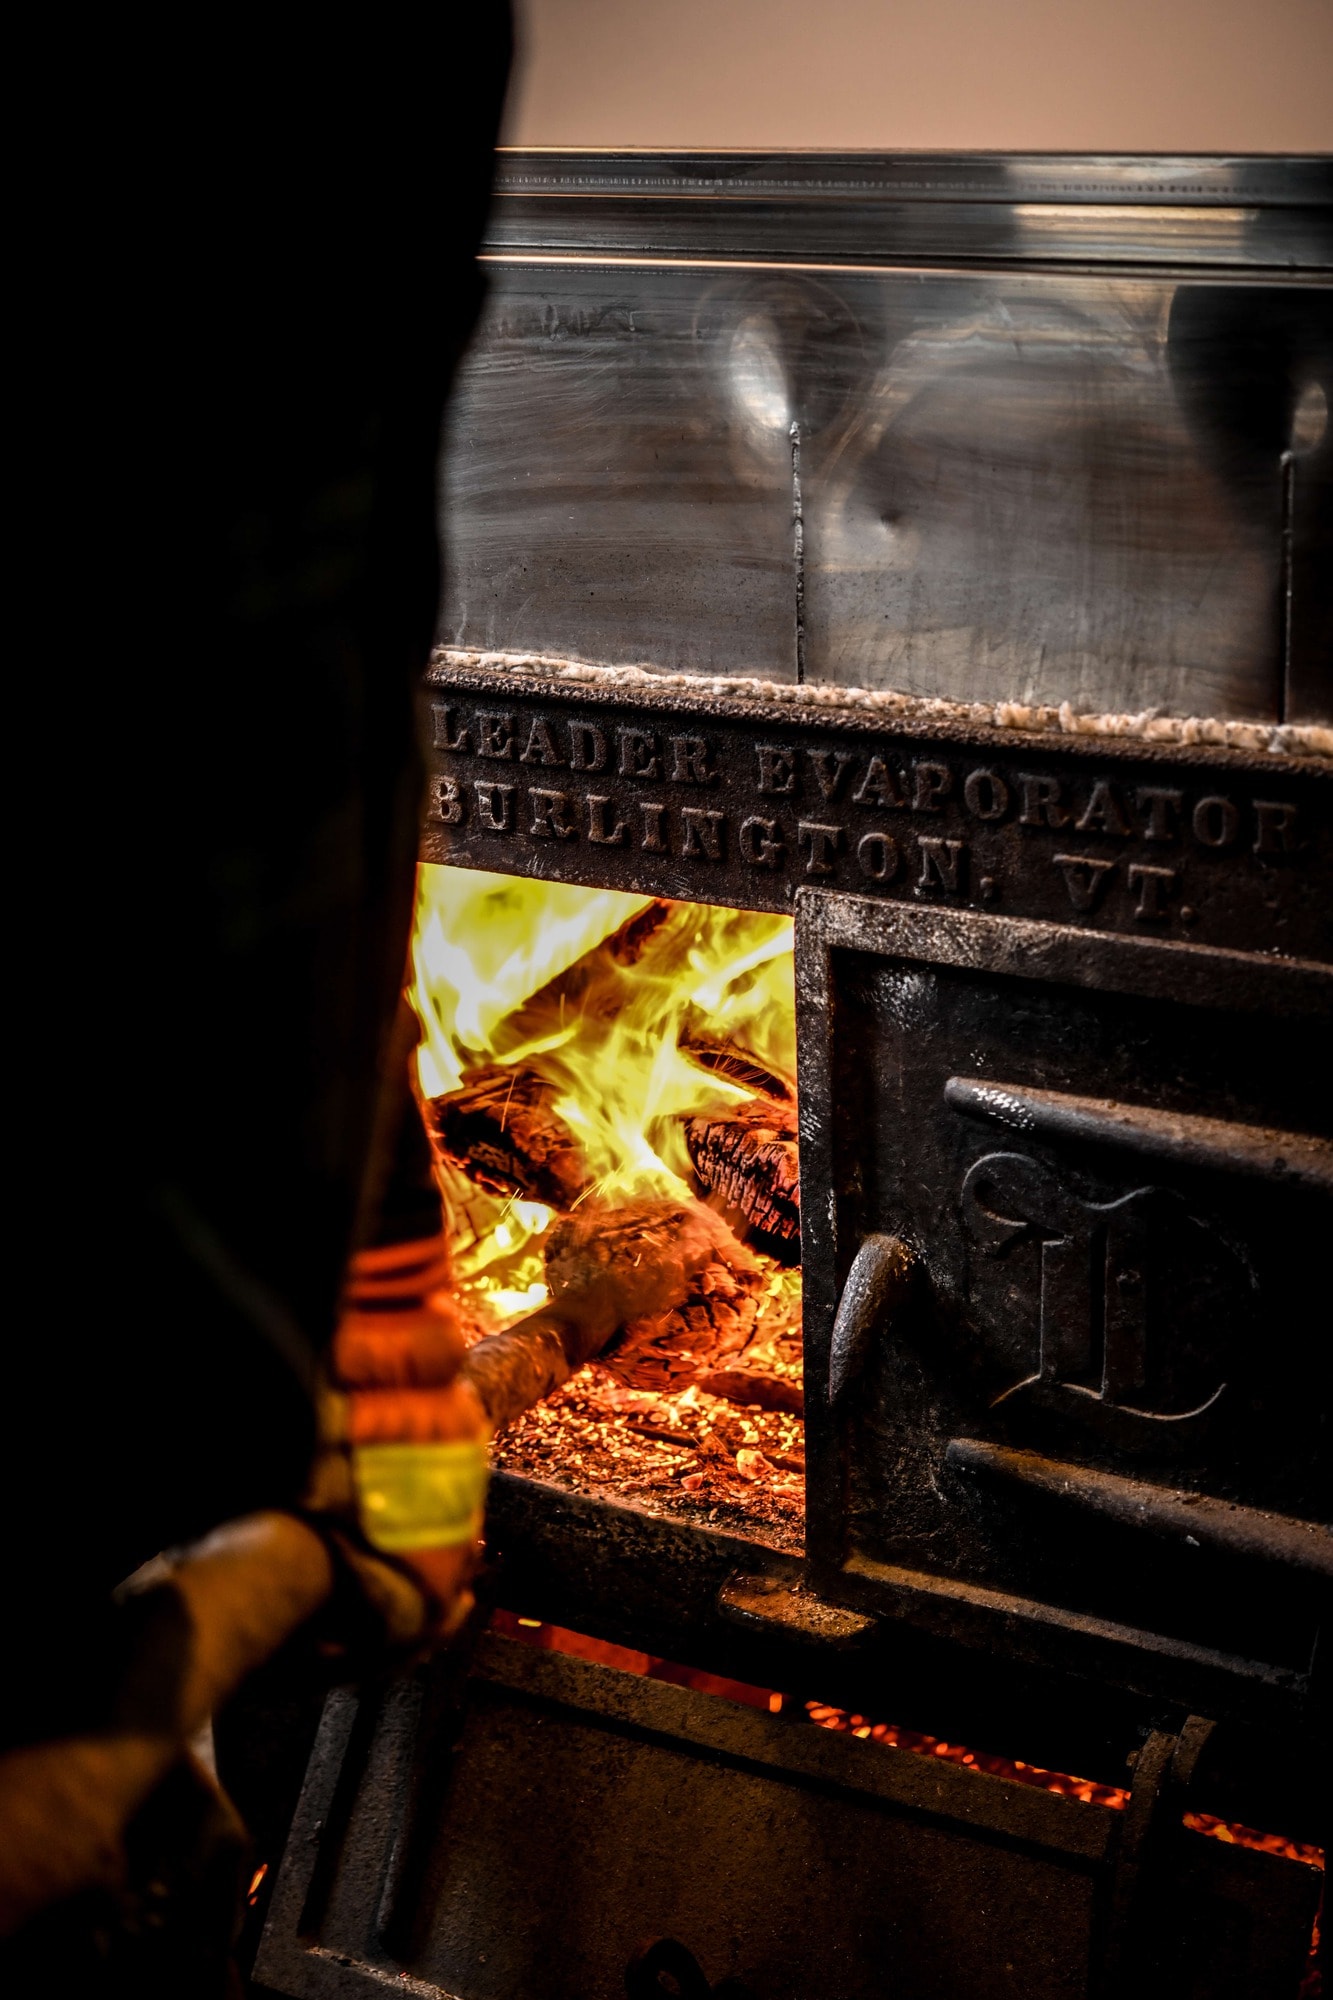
x=1075 y=75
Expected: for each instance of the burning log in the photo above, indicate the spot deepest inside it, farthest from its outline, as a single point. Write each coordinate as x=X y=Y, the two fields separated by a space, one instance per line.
x=738 y=1065
x=629 y=943
x=665 y=1351
x=749 y=1157
x=604 y=1267
x=593 y=987
x=747 y=1388
x=637 y=1259
x=502 y=1130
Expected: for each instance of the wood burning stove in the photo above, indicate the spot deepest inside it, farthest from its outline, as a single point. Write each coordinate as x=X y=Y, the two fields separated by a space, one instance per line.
x=926 y=554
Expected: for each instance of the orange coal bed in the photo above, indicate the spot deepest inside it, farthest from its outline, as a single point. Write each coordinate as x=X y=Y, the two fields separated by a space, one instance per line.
x=587 y=1057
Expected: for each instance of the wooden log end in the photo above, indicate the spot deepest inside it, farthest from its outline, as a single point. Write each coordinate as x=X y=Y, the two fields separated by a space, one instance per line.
x=502 y=1131
x=749 y=1157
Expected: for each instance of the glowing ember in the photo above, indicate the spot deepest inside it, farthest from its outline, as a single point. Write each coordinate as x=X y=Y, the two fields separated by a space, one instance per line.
x=602 y=1653
x=1083 y=1789
x=692 y=1453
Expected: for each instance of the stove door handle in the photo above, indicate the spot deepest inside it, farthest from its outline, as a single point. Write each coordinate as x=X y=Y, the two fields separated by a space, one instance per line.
x=877 y=1284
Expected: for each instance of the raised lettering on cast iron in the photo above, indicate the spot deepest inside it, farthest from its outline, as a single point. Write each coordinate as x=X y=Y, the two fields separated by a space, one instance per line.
x=1212 y=847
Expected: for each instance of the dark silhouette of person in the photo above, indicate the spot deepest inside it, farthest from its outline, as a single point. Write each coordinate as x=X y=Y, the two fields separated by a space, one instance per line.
x=254 y=271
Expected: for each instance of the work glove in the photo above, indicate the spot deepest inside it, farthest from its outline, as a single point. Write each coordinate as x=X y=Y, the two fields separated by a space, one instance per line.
x=405 y=1440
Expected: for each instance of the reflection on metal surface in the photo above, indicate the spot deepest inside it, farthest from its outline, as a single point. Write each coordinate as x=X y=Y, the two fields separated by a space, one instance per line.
x=1215 y=1144
x=1195 y=1518
x=852 y=208
x=1015 y=503
x=757 y=378
x=1217 y=232
x=616 y=486
x=1309 y=418
x=1046 y=411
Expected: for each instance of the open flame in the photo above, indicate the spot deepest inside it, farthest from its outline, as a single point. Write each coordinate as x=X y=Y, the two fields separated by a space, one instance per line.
x=633 y=1014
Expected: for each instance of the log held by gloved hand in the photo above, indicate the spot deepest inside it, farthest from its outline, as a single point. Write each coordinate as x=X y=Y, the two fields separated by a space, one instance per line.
x=220 y=1608
x=604 y=1267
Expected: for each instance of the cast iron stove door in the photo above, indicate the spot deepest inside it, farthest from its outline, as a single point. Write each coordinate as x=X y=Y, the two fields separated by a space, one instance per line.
x=1066 y=1207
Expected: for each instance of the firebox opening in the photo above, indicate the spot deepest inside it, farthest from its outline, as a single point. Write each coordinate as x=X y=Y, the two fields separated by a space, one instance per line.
x=585 y=1046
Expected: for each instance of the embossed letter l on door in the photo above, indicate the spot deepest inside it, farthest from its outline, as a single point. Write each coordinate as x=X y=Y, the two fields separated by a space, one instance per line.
x=1137 y=1300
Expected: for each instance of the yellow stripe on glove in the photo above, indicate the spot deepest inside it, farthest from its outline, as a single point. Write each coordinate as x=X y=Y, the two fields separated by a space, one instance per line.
x=421 y=1496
